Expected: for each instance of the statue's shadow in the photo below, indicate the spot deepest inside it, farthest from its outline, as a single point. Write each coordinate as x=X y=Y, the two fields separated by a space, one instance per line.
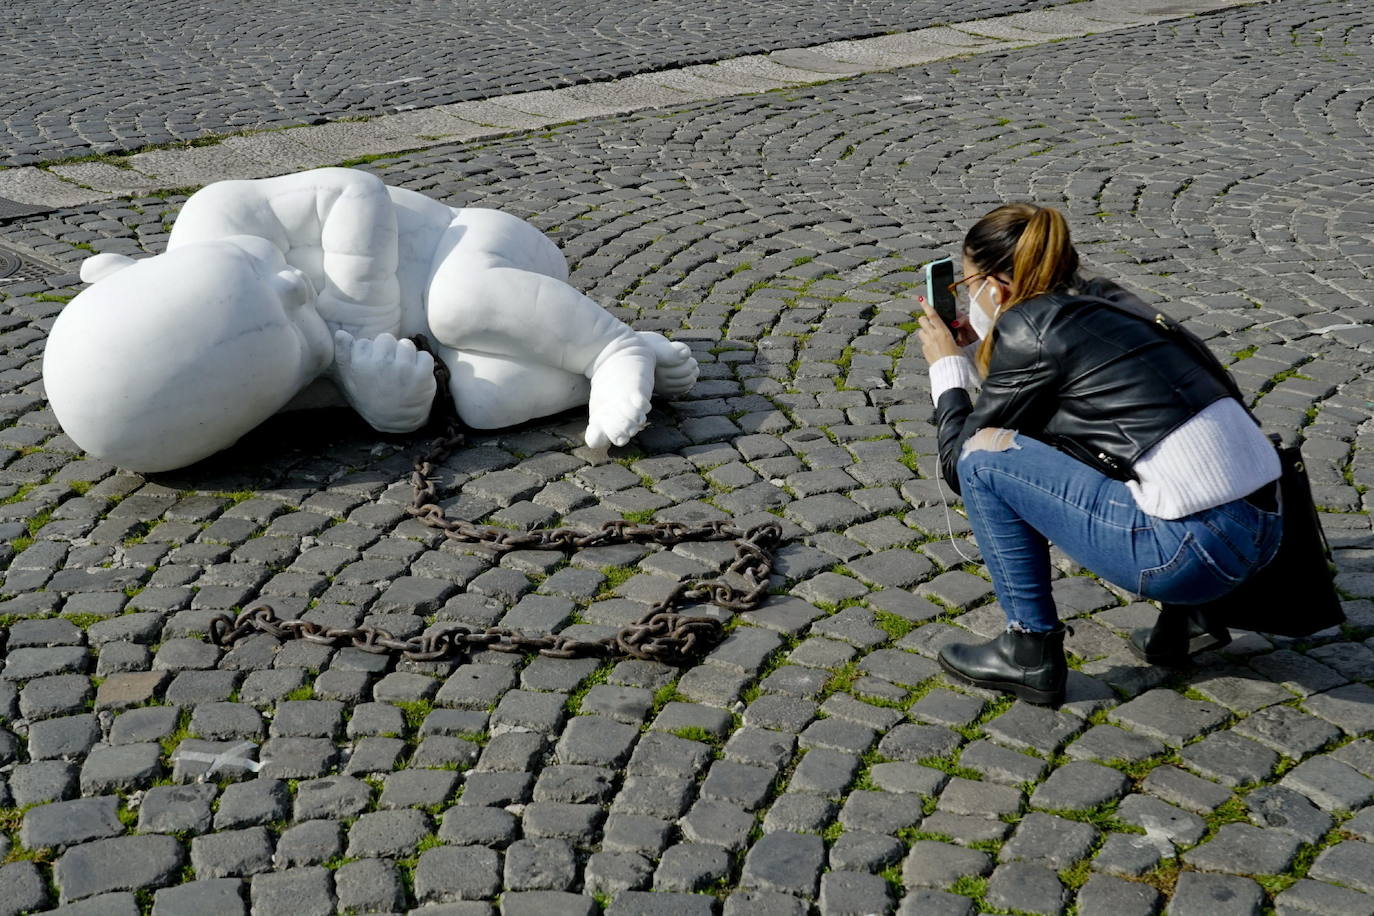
x=305 y=448
x=311 y=448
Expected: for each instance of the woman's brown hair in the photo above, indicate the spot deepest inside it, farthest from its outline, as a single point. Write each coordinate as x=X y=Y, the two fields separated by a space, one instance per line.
x=1029 y=244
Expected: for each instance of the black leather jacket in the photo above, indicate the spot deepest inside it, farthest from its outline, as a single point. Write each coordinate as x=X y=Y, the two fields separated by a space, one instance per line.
x=1081 y=376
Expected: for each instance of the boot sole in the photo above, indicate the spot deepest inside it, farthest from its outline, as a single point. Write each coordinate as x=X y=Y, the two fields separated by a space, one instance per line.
x=1021 y=691
x=1203 y=642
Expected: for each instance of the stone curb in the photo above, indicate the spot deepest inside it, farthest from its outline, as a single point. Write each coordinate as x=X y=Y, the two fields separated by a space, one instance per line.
x=277 y=152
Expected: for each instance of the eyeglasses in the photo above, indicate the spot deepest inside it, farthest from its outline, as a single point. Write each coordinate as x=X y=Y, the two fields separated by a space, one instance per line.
x=954 y=287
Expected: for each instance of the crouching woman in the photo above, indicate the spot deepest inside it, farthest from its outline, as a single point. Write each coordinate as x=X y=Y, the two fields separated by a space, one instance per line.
x=1099 y=429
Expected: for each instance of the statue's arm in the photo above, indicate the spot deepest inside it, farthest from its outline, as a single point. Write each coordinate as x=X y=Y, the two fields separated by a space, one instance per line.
x=358 y=253
x=227 y=208
x=338 y=225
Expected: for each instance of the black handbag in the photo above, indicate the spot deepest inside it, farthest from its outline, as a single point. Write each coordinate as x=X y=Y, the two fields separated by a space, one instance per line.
x=1294 y=594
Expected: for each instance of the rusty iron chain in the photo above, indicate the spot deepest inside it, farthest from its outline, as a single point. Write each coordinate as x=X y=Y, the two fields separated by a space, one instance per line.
x=662 y=634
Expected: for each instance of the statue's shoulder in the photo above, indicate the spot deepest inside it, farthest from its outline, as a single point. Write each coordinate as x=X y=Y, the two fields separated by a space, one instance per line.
x=330 y=180
x=327 y=183
x=224 y=193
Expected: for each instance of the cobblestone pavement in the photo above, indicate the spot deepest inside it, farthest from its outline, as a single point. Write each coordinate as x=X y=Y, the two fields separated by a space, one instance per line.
x=817 y=760
x=79 y=77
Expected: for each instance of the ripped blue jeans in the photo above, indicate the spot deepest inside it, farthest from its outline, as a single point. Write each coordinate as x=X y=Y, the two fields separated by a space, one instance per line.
x=1022 y=494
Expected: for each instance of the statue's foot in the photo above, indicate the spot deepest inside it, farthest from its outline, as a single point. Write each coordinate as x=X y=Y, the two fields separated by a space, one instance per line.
x=386 y=380
x=623 y=380
x=675 y=369
x=618 y=423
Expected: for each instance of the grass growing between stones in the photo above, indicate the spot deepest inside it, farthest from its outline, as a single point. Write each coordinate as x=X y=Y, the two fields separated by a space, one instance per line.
x=1163 y=877
x=1102 y=816
x=602 y=673
x=893 y=876
x=414 y=711
x=973 y=731
x=12 y=818
x=1231 y=811
x=948 y=766
x=1274 y=885
x=83 y=621
x=970 y=886
x=41 y=856
x=664 y=695
x=1076 y=875
x=893 y=625
x=864 y=780
x=1137 y=770
x=695 y=733
x=772 y=663
x=841 y=680
x=179 y=734
x=616 y=576
x=33 y=524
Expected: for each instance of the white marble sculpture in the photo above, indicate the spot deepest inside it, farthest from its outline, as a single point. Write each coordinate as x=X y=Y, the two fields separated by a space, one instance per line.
x=299 y=291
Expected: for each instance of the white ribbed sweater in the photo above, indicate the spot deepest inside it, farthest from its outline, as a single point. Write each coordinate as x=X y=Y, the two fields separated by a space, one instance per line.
x=1217 y=456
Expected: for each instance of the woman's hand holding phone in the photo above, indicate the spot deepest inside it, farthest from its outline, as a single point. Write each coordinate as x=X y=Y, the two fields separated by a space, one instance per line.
x=936 y=340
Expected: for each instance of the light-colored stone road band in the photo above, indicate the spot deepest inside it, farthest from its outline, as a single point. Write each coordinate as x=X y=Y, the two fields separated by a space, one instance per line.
x=256 y=155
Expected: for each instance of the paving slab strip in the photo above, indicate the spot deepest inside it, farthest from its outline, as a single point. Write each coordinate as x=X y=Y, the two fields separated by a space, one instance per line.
x=258 y=155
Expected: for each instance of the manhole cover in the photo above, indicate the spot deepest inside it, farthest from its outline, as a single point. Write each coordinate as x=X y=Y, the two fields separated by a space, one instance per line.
x=18 y=267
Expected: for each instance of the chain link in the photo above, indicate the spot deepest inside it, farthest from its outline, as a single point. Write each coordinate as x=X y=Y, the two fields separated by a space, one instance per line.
x=662 y=634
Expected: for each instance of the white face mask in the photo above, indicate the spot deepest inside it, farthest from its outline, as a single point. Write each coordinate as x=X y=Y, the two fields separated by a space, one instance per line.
x=980 y=316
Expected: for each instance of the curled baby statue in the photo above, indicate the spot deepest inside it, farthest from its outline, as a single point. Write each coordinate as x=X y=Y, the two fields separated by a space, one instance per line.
x=300 y=291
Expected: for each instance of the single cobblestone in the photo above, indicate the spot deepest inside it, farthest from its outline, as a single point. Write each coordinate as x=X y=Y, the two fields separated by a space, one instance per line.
x=70 y=823
x=1319 y=897
x=123 y=863
x=1050 y=840
x=1026 y=887
x=1199 y=894
x=457 y=873
x=690 y=867
x=176 y=809
x=784 y=862
x=934 y=864
x=539 y=865
x=293 y=892
x=1079 y=785
x=1347 y=863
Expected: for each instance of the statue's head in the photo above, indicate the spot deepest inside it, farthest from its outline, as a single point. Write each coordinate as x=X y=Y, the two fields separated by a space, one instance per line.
x=167 y=360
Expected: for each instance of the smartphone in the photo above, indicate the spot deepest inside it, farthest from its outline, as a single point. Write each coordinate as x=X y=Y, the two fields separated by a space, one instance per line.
x=939 y=275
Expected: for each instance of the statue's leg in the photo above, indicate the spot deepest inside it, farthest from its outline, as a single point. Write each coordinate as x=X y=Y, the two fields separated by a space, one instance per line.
x=534 y=321
x=495 y=391
x=477 y=232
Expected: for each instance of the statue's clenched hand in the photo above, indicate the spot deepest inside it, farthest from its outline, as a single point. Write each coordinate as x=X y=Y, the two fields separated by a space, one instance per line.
x=387 y=381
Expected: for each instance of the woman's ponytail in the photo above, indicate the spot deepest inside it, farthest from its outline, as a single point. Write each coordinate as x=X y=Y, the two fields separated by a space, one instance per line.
x=1028 y=244
x=1044 y=258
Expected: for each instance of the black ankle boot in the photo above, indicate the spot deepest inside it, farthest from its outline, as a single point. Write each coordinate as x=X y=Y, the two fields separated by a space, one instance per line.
x=1030 y=665
x=1181 y=631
